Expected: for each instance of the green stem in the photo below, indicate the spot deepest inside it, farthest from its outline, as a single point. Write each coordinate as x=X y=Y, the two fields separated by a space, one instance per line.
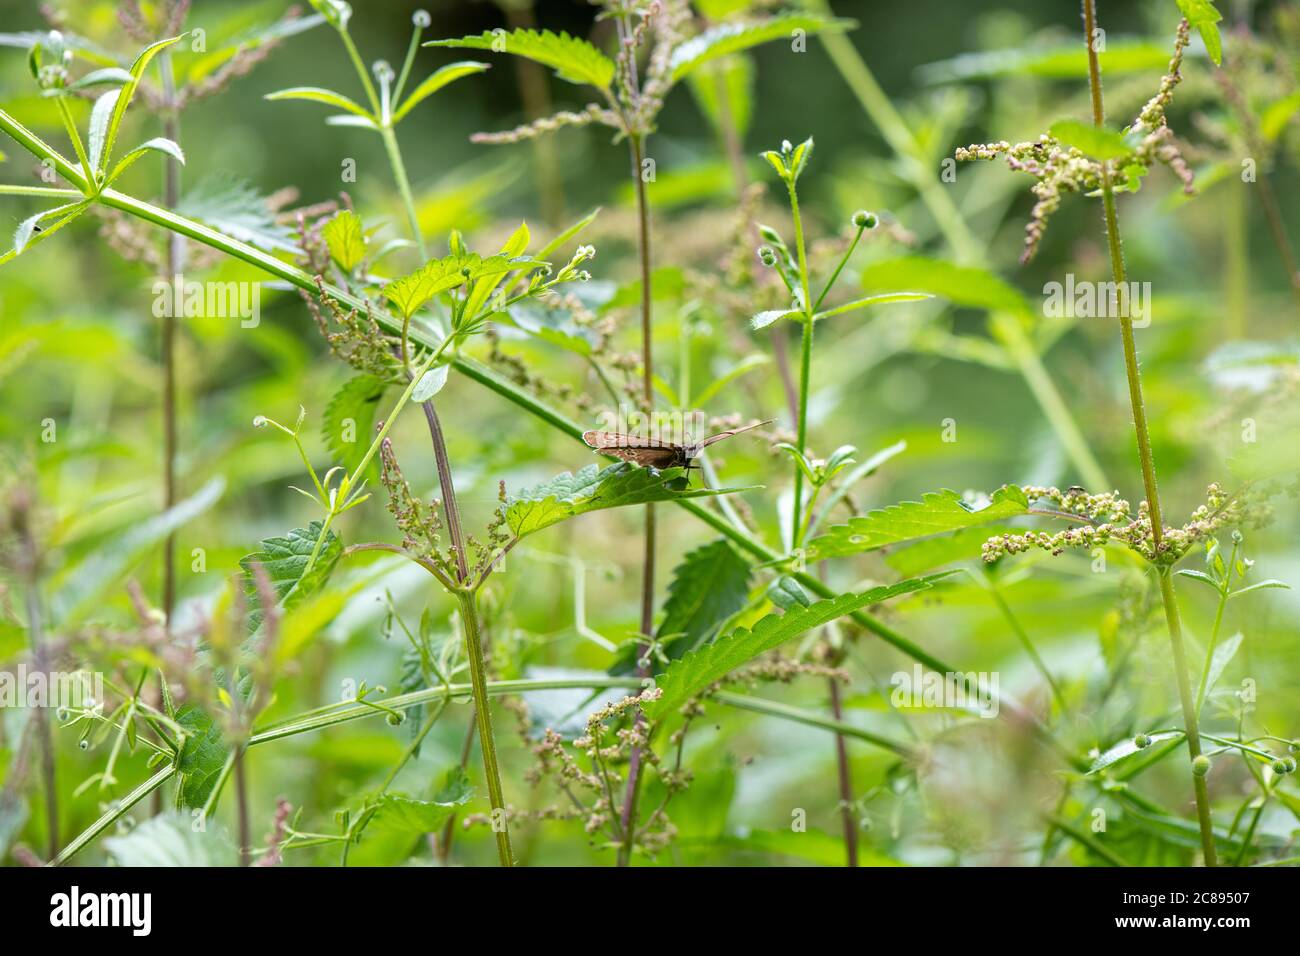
x=483 y=717
x=1146 y=459
x=1202 y=688
x=118 y=810
x=996 y=593
x=805 y=362
x=404 y=187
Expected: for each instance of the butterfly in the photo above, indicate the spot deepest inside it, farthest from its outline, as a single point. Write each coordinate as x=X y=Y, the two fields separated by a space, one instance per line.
x=655 y=452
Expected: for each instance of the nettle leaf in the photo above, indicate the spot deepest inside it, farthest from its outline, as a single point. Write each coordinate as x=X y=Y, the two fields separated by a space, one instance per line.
x=448 y=74
x=346 y=239
x=316 y=94
x=708 y=587
x=935 y=513
x=396 y=811
x=1095 y=141
x=960 y=285
x=235 y=207
x=1127 y=748
x=202 y=756
x=436 y=276
x=170 y=839
x=734 y=37
x=701 y=668
x=351 y=412
x=593 y=489
x=284 y=558
x=89 y=582
x=1203 y=15
x=572 y=59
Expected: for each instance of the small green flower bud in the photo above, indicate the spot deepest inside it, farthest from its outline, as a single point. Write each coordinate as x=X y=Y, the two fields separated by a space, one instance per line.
x=1279 y=765
x=1141 y=741
x=865 y=220
x=421 y=19
x=766 y=256
x=1237 y=537
x=83 y=744
x=1201 y=765
x=394 y=720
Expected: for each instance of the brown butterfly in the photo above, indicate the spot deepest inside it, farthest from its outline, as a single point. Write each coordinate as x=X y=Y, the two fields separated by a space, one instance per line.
x=655 y=452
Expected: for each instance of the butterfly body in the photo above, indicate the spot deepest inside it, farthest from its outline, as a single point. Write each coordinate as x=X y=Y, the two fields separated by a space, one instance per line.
x=655 y=452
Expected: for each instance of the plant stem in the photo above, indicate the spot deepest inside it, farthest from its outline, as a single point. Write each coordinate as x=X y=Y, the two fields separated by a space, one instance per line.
x=637 y=148
x=996 y=593
x=845 y=779
x=36 y=635
x=1224 y=591
x=483 y=717
x=404 y=187
x=805 y=362
x=241 y=808
x=1167 y=595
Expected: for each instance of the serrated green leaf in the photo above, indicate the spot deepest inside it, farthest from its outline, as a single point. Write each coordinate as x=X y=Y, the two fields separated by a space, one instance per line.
x=235 y=207
x=572 y=59
x=202 y=756
x=356 y=402
x=171 y=839
x=396 y=811
x=593 y=489
x=442 y=77
x=708 y=587
x=701 y=668
x=284 y=559
x=409 y=293
x=1127 y=748
x=729 y=38
x=346 y=239
x=316 y=94
x=935 y=513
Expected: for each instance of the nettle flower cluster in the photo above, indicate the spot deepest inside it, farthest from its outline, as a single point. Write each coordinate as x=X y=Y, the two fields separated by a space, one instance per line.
x=1106 y=518
x=1061 y=167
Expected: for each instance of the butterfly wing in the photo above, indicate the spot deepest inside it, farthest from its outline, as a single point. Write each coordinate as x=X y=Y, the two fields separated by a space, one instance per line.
x=651 y=452
x=734 y=431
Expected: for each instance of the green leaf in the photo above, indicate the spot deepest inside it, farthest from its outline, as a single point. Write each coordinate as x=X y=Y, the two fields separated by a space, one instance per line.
x=721 y=381
x=346 y=239
x=87 y=584
x=170 y=839
x=1202 y=15
x=930 y=553
x=448 y=74
x=881 y=299
x=430 y=384
x=1200 y=576
x=100 y=116
x=127 y=91
x=572 y=59
x=284 y=558
x=235 y=207
x=1270 y=584
x=158 y=144
x=1127 y=748
x=935 y=513
x=318 y=95
x=570 y=233
x=787 y=593
x=396 y=811
x=708 y=587
x=112 y=74
x=763 y=319
x=1094 y=141
x=593 y=489
x=701 y=668
x=336 y=12
x=202 y=758
x=1062 y=62
x=728 y=38
x=1220 y=659
x=355 y=401
x=960 y=285
x=436 y=276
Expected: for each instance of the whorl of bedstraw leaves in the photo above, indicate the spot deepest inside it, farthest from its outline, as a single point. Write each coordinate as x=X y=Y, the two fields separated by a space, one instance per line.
x=1061 y=169
x=1110 y=520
